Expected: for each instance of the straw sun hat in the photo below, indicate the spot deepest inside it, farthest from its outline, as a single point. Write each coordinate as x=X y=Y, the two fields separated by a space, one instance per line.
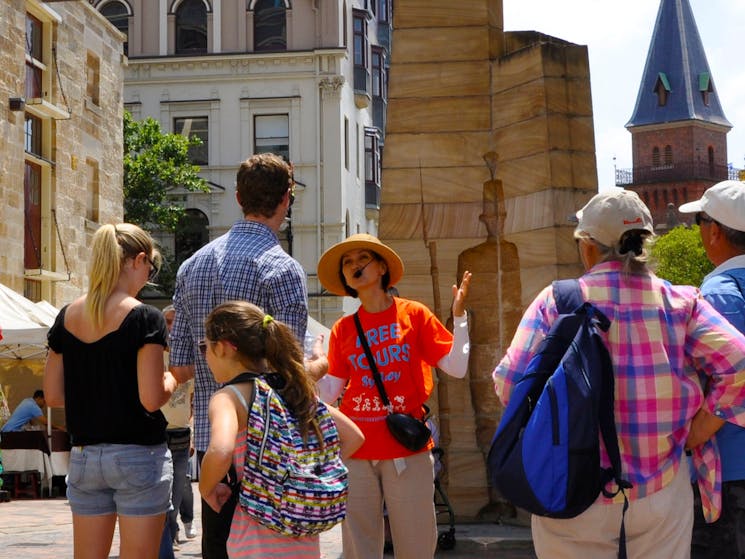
x=329 y=266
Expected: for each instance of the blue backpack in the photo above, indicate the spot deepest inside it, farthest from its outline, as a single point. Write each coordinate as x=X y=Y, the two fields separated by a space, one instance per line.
x=545 y=455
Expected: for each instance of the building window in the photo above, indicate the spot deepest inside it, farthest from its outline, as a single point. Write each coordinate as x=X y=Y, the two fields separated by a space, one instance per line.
x=272 y=135
x=372 y=168
x=344 y=24
x=118 y=16
x=359 y=47
x=195 y=126
x=346 y=143
x=34 y=57
x=384 y=8
x=32 y=179
x=711 y=161
x=705 y=87
x=270 y=25
x=662 y=89
x=379 y=84
x=191 y=234
x=655 y=157
x=191 y=27
x=93 y=72
x=32 y=133
x=668 y=156
x=93 y=191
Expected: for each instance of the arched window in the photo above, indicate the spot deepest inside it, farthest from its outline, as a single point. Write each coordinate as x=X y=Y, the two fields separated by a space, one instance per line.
x=655 y=157
x=118 y=16
x=712 y=168
x=191 y=27
x=270 y=25
x=191 y=234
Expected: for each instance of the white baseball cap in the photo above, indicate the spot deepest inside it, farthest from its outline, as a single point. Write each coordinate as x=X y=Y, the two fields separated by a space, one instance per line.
x=724 y=202
x=608 y=215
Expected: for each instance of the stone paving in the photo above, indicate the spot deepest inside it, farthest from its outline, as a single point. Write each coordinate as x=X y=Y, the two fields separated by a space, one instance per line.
x=42 y=529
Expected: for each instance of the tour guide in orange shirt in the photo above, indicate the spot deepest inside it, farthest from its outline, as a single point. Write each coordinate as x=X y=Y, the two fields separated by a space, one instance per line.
x=406 y=339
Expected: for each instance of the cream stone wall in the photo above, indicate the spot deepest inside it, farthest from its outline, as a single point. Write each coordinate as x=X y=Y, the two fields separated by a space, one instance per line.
x=461 y=87
x=90 y=137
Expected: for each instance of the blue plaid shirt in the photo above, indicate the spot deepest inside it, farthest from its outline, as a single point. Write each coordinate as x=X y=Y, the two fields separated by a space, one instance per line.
x=246 y=263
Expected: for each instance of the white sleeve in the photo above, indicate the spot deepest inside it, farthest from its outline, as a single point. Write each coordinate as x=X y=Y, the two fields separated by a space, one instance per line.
x=329 y=388
x=455 y=363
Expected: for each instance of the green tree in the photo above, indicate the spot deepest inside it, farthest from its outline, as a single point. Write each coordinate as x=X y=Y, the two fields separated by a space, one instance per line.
x=154 y=163
x=680 y=256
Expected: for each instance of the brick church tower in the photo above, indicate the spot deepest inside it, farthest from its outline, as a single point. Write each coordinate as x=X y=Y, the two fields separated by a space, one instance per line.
x=678 y=128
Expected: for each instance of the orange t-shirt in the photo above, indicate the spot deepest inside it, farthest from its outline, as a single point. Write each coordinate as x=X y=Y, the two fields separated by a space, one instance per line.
x=406 y=340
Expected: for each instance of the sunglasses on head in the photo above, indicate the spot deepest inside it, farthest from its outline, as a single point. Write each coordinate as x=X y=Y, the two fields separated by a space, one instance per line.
x=154 y=270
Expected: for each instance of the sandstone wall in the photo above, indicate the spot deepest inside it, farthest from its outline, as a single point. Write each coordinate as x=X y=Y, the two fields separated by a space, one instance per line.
x=461 y=87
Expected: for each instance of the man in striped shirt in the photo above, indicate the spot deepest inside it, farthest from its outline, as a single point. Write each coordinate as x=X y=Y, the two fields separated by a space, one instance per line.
x=247 y=263
x=660 y=336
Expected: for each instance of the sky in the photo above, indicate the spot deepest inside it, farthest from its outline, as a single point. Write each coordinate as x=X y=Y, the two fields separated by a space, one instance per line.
x=617 y=36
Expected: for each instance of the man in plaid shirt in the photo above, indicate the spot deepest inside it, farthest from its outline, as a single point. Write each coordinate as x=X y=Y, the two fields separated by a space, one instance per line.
x=660 y=336
x=246 y=263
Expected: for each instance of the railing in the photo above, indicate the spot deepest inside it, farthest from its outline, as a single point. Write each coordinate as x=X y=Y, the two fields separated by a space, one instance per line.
x=679 y=171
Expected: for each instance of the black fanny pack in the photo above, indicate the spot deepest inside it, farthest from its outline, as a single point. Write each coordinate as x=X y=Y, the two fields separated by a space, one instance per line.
x=179 y=439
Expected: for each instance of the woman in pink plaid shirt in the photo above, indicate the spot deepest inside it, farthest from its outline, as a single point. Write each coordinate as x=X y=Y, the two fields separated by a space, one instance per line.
x=663 y=339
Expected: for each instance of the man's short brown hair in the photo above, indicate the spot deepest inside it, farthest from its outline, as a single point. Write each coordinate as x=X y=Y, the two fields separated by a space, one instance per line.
x=262 y=181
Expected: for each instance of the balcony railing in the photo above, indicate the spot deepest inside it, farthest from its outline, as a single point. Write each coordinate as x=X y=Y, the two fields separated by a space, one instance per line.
x=677 y=172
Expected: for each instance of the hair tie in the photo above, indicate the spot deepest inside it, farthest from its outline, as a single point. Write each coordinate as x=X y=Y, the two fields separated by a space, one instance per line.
x=267 y=319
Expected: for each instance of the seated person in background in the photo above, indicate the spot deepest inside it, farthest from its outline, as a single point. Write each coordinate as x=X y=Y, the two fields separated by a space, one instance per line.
x=29 y=412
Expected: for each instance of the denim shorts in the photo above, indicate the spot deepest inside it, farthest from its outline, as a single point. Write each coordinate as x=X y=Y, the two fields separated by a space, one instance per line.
x=127 y=479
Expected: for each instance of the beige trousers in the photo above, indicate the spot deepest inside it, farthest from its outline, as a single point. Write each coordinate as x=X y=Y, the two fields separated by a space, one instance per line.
x=657 y=527
x=409 y=500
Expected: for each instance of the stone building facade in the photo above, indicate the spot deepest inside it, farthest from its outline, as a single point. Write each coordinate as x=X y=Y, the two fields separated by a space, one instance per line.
x=305 y=79
x=61 y=82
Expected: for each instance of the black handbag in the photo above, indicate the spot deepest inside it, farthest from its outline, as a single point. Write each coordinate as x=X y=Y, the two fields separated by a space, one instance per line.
x=411 y=432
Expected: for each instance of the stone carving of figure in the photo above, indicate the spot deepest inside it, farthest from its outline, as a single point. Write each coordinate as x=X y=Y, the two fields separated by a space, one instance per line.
x=495 y=307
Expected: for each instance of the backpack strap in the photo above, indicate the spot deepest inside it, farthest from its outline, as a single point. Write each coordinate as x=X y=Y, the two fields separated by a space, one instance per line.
x=568 y=297
x=737 y=281
x=239 y=395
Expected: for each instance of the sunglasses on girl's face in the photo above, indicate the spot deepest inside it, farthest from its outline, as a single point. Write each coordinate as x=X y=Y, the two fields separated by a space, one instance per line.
x=202 y=345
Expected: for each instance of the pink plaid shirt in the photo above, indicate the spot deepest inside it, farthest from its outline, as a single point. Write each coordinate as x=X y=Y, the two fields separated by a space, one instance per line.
x=660 y=336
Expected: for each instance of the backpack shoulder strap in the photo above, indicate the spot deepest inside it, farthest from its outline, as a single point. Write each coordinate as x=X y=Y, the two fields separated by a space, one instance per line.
x=240 y=397
x=568 y=295
x=737 y=281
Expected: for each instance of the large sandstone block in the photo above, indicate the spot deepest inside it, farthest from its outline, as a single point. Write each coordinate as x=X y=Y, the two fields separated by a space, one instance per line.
x=409 y=186
x=435 y=149
x=438 y=114
x=440 y=13
x=437 y=44
x=439 y=79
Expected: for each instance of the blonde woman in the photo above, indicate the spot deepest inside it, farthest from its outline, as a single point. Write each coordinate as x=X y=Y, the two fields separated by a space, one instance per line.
x=105 y=367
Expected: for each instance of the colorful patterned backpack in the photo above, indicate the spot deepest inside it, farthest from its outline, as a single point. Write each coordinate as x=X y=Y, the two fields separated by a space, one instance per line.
x=294 y=488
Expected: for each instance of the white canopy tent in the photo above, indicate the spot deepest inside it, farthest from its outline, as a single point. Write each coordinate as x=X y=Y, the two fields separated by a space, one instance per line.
x=23 y=325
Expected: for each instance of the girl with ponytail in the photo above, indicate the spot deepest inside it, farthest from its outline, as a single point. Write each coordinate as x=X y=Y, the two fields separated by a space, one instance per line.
x=241 y=338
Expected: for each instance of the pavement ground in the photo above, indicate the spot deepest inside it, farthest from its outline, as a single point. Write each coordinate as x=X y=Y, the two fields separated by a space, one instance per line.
x=42 y=529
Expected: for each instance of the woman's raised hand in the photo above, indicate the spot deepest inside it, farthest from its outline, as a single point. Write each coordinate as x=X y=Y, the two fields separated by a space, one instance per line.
x=460 y=294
